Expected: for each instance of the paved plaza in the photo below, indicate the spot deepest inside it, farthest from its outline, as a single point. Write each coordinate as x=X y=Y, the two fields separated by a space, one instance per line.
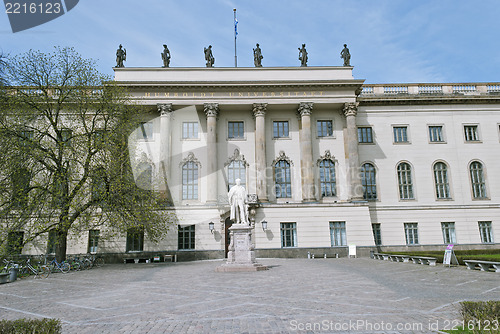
x=293 y=296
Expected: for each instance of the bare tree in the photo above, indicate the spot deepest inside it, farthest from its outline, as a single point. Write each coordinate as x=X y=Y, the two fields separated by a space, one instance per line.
x=65 y=164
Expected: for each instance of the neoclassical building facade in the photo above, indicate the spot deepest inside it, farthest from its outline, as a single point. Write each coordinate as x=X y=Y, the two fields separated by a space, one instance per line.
x=327 y=160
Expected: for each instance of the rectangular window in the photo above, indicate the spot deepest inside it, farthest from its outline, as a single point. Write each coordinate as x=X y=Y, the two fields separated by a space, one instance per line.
x=288 y=235
x=280 y=129
x=325 y=128
x=377 y=234
x=26 y=136
x=486 y=232
x=190 y=130
x=365 y=134
x=135 y=239
x=66 y=135
x=400 y=134
x=235 y=130
x=449 y=233
x=436 y=134
x=93 y=241
x=15 y=242
x=145 y=131
x=99 y=136
x=51 y=242
x=411 y=233
x=186 y=236
x=471 y=133
x=337 y=234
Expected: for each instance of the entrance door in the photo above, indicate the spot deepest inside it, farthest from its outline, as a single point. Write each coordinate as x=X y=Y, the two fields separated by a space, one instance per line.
x=227 y=224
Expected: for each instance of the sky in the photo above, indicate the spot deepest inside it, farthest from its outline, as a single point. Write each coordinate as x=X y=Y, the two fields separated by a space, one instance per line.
x=390 y=41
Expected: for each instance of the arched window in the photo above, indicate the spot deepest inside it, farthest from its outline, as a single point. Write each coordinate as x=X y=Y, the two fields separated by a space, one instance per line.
x=236 y=170
x=441 y=180
x=145 y=177
x=190 y=180
x=477 y=180
x=282 y=177
x=368 y=181
x=404 y=181
x=327 y=178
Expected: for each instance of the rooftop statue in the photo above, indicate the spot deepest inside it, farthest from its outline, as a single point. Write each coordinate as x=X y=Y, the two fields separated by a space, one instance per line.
x=303 y=56
x=257 y=56
x=209 y=57
x=121 y=56
x=346 y=56
x=239 y=209
x=165 y=56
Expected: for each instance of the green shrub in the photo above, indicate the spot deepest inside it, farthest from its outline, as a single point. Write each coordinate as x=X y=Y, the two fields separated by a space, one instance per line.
x=31 y=326
x=481 y=317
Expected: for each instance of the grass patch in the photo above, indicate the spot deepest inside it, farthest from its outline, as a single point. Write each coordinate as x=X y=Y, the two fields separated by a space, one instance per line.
x=479 y=317
x=32 y=326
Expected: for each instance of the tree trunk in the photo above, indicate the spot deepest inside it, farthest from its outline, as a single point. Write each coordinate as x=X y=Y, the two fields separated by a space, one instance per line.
x=61 y=242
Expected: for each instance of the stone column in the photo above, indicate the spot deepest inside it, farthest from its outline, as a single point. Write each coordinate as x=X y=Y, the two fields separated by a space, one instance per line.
x=356 y=189
x=306 y=159
x=259 y=112
x=211 y=110
x=164 y=168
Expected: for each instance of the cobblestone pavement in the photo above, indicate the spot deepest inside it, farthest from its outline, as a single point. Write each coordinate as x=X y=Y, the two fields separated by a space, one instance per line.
x=293 y=296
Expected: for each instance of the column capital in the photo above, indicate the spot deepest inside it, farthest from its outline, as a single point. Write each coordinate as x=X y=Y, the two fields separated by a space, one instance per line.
x=305 y=108
x=351 y=108
x=211 y=109
x=165 y=109
x=259 y=109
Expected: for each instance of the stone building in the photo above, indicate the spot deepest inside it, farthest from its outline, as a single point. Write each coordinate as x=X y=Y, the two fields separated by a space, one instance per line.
x=327 y=160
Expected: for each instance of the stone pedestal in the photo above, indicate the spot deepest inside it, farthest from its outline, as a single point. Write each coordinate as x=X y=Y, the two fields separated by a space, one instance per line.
x=241 y=256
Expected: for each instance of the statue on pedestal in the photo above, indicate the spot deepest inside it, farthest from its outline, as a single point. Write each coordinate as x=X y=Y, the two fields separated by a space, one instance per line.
x=209 y=57
x=239 y=209
x=257 y=56
x=344 y=54
x=121 y=56
x=303 y=56
x=165 y=56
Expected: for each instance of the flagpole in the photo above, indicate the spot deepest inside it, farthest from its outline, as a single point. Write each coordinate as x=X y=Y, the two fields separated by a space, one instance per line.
x=235 y=33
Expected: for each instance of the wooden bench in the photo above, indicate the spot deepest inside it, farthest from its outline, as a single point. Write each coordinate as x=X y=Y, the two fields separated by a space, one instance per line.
x=172 y=258
x=483 y=265
x=136 y=259
x=381 y=256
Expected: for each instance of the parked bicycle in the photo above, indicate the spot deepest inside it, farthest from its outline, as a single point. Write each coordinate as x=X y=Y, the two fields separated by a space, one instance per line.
x=63 y=266
x=39 y=272
x=94 y=260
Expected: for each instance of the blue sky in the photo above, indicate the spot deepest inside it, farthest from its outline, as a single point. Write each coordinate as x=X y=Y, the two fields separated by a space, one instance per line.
x=390 y=41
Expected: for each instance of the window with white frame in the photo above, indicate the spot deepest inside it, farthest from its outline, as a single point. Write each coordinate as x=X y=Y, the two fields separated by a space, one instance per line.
x=471 y=133
x=327 y=178
x=145 y=131
x=93 y=241
x=441 y=180
x=365 y=135
x=235 y=129
x=236 y=170
x=324 y=128
x=400 y=134
x=282 y=179
x=436 y=134
x=377 y=234
x=190 y=130
x=337 y=234
x=485 y=232
x=190 y=180
x=405 y=181
x=288 y=235
x=411 y=233
x=449 y=236
x=281 y=129
x=477 y=180
x=186 y=237
x=368 y=181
